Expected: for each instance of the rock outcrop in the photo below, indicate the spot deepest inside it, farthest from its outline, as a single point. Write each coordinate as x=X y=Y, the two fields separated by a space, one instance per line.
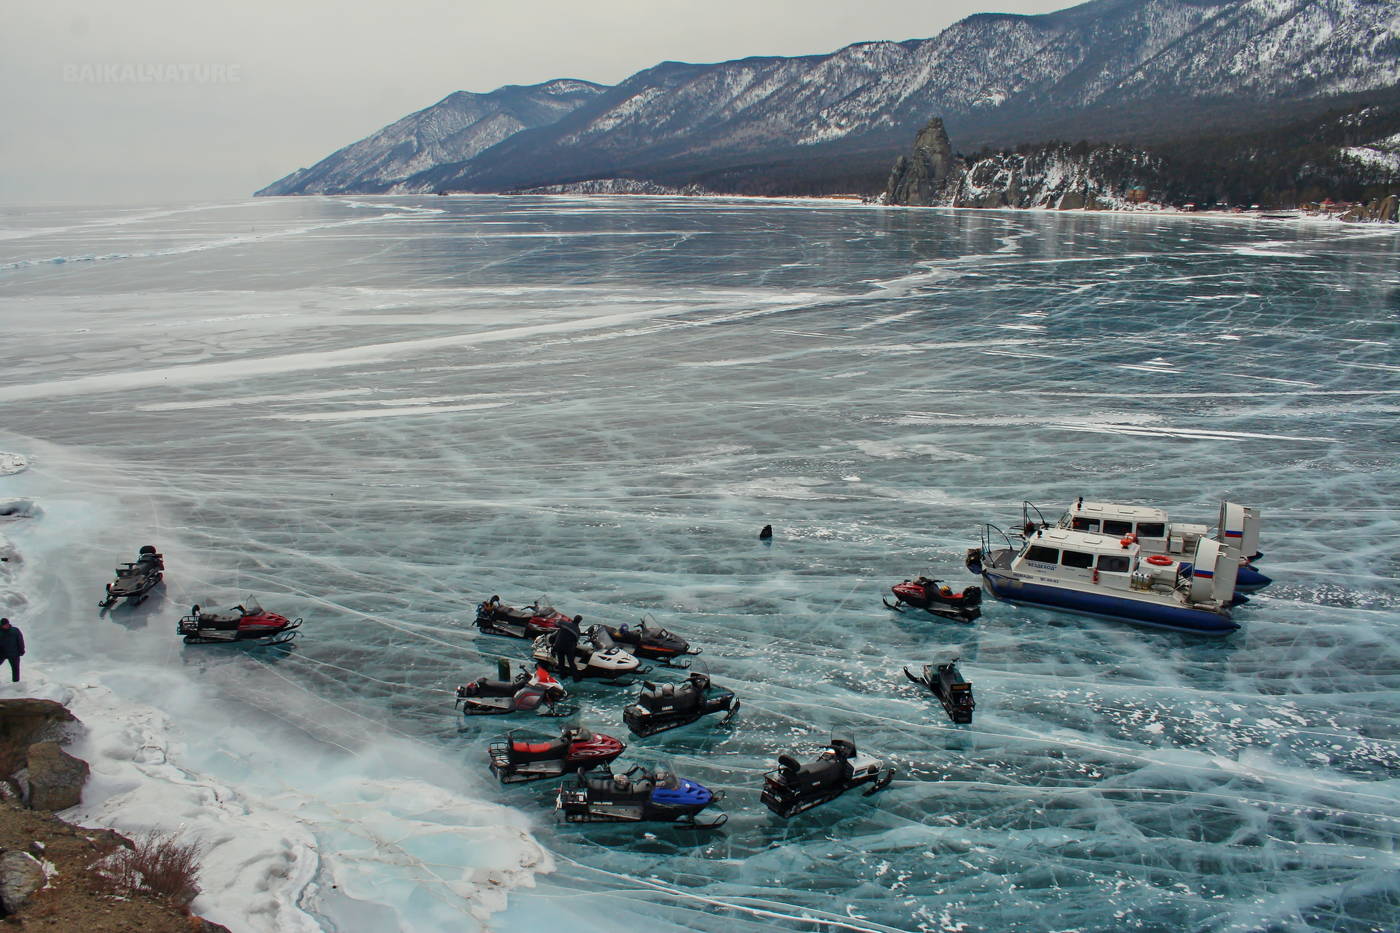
x=920 y=177
x=56 y=778
x=21 y=874
x=24 y=722
x=1052 y=175
x=1380 y=210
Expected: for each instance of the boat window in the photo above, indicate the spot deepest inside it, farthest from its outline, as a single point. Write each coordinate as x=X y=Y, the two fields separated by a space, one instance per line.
x=1077 y=559
x=1113 y=526
x=1086 y=524
x=1113 y=563
x=1043 y=555
x=1151 y=530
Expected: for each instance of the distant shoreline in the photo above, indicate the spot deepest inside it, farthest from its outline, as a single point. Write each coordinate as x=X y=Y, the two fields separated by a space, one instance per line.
x=1282 y=216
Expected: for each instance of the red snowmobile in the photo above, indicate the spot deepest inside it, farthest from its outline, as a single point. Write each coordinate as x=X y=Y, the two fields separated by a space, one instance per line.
x=245 y=624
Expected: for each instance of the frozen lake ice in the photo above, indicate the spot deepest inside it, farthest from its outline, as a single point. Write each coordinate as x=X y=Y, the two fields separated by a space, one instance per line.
x=376 y=412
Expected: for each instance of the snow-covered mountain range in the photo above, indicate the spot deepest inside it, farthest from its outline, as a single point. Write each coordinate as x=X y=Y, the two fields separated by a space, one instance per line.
x=453 y=130
x=1107 y=69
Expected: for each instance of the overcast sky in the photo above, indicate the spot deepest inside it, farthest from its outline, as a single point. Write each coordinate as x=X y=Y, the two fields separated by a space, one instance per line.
x=119 y=101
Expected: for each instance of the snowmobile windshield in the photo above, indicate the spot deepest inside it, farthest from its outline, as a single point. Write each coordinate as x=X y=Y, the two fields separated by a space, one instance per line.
x=667 y=780
x=251 y=606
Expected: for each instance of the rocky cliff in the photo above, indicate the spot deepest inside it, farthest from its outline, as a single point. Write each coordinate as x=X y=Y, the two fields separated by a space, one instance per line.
x=57 y=877
x=1053 y=175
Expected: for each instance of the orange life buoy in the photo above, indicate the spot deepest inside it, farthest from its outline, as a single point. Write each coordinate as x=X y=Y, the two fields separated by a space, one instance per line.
x=1161 y=560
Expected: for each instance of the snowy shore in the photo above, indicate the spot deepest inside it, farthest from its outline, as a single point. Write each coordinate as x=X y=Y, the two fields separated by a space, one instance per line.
x=298 y=815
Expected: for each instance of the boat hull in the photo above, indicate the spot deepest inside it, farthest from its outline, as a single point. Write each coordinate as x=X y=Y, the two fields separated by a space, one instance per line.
x=1141 y=612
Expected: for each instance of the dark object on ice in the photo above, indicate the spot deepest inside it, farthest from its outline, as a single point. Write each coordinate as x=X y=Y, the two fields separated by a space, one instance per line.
x=595 y=656
x=11 y=646
x=516 y=760
x=247 y=624
x=948 y=685
x=635 y=796
x=795 y=787
x=668 y=706
x=136 y=580
x=766 y=534
x=531 y=621
x=938 y=598
x=522 y=693
x=654 y=642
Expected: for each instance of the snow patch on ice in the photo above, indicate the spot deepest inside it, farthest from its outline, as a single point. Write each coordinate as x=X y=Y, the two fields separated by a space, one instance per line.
x=12 y=463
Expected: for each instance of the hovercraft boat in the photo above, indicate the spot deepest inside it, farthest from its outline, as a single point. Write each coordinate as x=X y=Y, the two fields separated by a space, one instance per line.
x=532 y=621
x=595 y=656
x=938 y=598
x=135 y=581
x=245 y=624
x=522 y=693
x=515 y=761
x=670 y=706
x=1102 y=575
x=796 y=787
x=638 y=795
x=1237 y=529
x=948 y=685
x=654 y=642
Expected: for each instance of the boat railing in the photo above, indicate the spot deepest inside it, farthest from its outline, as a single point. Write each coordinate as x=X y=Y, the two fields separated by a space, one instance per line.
x=1028 y=524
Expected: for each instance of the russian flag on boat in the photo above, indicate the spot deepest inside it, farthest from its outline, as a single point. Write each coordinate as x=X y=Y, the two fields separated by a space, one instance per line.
x=1203 y=573
x=1233 y=534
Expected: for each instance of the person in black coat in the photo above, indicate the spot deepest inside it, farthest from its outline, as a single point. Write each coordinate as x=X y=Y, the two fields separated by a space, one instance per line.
x=11 y=646
x=566 y=635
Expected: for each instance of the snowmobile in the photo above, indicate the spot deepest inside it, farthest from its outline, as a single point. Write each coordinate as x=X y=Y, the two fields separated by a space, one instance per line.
x=516 y=760
x=638 y=795
x=668 y=706
x=136 y=580
x=948 y=685
x=507 y=694
x=246 y=624
x=795 y=787
x=653 y=641
x=595 y=656
x=531 y=621
x=937 y=598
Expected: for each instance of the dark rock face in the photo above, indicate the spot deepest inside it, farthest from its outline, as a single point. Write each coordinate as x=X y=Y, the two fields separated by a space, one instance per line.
x=24 y=722
x=920 y=178
x=56 y=778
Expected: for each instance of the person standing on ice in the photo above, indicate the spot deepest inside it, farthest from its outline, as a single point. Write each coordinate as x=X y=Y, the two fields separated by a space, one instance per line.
x=11 y=646
x=566 y=635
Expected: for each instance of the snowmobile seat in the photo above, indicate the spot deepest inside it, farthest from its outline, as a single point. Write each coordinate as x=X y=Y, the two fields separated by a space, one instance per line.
x=820 y=773
x=536 y=751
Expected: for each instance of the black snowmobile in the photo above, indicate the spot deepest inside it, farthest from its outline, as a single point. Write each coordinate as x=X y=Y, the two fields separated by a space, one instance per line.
x=654 y=642
x=668 y=706
x=638 y=795
x=522 y=693
x=948 y=685
x=136 y=580
x=595 y=656
x=936 y=597
x=796 y=787
x=516 y=760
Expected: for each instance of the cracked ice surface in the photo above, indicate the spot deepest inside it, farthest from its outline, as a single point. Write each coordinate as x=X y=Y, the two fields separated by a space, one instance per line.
x=375 y=413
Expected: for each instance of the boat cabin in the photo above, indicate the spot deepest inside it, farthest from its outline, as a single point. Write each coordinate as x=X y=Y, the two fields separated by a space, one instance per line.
x=1079 y=556
x=1154 y=532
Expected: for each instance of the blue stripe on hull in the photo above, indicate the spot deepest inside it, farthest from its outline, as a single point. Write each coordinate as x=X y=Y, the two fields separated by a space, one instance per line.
x=1195 y=621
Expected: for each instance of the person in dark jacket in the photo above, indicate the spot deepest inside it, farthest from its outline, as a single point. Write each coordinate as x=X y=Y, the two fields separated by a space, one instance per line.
x=566 y=635
x=11 y=646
